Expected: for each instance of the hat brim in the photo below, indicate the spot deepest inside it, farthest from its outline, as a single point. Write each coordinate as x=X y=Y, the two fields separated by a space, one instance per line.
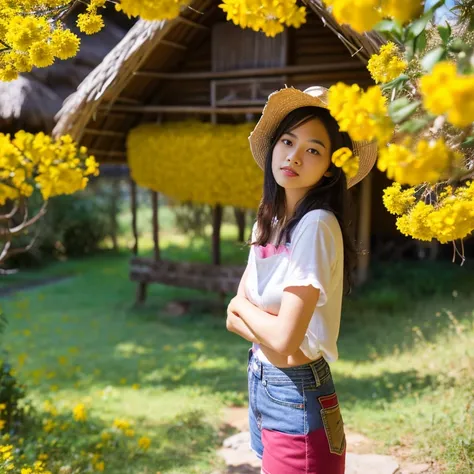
x=278 y=106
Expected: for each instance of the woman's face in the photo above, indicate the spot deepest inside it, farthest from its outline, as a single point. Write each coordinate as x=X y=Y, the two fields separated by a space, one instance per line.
x=302 y=157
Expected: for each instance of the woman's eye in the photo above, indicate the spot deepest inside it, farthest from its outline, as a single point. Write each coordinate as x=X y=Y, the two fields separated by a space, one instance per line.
x=314 y=151
x=287 y=142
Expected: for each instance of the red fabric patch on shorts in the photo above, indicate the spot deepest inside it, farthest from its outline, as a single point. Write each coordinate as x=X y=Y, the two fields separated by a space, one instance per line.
x=299 y=454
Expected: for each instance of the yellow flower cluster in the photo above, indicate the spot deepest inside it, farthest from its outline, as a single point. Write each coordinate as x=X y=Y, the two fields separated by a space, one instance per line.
x=269 y=16
x=196 y=162
x=343 y=158
x=7 y=462
x=30 y=161
x=363 y=114
x=79 y=412
x=450 y=218
x=447 y=92
x=151 y=9
x=387 y=65
x=31 y=37
x=429 y=162
x=363 y=15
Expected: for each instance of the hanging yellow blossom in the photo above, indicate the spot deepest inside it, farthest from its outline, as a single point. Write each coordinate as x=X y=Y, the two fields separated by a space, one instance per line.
x=363 y=15
x=196 y=162
x=397 y=201
x=55 y=167
x=363 y=114
x=387 y=65
x=151 y=9
x=402 y=10
x=269 y=16
x=343 y=158
x=447 y=92
x=429 y=162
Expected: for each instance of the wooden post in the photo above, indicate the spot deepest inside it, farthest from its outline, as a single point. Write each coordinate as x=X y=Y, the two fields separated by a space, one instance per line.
x=156 y=241
x=216 y=234
x=133 y=202
x=115 y=199
x=363 y=231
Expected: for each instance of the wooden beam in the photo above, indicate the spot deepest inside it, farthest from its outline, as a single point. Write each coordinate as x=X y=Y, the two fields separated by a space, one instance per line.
x=191 y=109
x=156 y=244
x=173 y=44
x=257 y=72
x=111 y=153
x=188 y=22
x=103 y=133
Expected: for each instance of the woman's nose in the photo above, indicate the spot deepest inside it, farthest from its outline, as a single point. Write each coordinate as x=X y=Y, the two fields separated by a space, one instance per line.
x=294 y=158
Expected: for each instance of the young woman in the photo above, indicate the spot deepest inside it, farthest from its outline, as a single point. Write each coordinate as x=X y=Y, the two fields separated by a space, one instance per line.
x=289 y=299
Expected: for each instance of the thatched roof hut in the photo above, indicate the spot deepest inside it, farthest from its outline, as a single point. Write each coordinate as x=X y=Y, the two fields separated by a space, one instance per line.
x=166 y=70
x=32 y=101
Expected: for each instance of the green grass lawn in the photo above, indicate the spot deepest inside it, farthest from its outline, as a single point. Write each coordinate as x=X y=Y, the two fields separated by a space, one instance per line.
x=405 y=375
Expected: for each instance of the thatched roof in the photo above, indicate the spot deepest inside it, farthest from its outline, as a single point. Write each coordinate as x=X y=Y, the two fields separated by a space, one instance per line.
x=32 y=101
x=109 y=102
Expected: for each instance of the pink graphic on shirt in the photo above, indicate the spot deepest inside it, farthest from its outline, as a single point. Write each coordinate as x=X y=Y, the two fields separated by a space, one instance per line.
x=269 y=250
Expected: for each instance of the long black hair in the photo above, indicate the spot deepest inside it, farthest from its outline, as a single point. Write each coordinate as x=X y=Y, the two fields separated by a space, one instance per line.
x=330 y=193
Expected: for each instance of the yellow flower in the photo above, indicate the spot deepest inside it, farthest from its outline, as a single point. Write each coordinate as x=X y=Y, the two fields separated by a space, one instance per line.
x=130 y=433
x=387 y=65
x=65 y=44
x=268 y=16
x=361 y=15
x=402 y=10
x=41 y=54
x=362 y=114
x=144 y=443
x=79 y=412
x=444 y=91
x=121 y=424
x=99 y=466
x=397 y=201
x=90 y=23
x=343 y=158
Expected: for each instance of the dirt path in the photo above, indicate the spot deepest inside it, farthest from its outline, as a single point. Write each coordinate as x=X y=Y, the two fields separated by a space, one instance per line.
x=360 y=455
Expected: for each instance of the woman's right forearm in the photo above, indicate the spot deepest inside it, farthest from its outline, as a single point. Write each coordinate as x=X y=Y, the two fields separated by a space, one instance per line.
x=237 y=325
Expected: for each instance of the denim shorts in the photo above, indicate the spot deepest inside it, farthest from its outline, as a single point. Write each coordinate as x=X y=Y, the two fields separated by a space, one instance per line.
x=295 y=421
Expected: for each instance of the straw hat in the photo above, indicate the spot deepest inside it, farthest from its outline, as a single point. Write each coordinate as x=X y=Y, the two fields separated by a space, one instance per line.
x=284 y=101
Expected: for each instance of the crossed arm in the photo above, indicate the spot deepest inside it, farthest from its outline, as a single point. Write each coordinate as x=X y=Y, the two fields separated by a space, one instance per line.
x=283 y=333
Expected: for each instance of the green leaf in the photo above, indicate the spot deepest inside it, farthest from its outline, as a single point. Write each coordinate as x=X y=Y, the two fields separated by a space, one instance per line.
x=420 y=24
x=434 y=56
x=468 y=142
x=390 y=26
x=444 y=33
x=420 y=42
x=402 y=108
x=414 y=125
x=397 y=82
x=457 y=45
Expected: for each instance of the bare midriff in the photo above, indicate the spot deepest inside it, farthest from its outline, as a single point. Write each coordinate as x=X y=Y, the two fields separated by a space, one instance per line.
x=282 y=361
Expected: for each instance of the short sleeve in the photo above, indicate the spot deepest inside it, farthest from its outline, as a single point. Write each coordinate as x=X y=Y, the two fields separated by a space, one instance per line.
x=313 y=258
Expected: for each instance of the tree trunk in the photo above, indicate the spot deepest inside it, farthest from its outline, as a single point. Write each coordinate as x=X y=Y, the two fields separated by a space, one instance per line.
x=240 y=219
x=216 y=234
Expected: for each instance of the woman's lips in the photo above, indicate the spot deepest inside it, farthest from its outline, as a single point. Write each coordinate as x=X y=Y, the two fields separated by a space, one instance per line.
x=289 y=172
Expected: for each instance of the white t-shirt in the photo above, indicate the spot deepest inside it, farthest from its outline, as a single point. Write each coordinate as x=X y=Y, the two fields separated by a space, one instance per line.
x=314 y=257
